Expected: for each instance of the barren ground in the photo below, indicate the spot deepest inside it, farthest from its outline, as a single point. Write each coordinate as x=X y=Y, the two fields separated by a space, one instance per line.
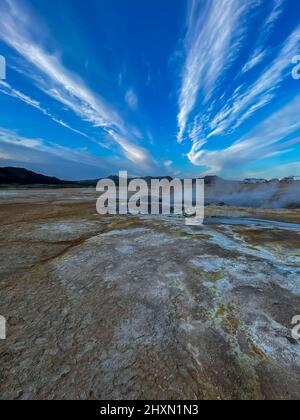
x=145 y=307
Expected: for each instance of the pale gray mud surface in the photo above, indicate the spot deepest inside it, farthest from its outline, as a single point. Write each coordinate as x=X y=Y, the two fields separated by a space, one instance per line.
x=145 y=307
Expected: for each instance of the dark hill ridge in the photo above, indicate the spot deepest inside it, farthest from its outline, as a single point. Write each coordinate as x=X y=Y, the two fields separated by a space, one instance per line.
x=21 y=176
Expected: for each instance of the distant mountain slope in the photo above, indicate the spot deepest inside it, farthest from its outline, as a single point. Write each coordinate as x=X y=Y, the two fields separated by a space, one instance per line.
x=23 y=176
x=276 y=193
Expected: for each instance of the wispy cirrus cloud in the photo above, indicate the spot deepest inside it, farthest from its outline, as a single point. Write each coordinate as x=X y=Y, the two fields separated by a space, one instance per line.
x=52 y=158
x=257 y=57
x=280 y=171
x=275 y=136
x=212 y=42
x=8 y=90
x=54 y=79
x=131 y=99
x=49 y=156
x=215 y=101
x=249 y=99
x=260 y=51
x=10 y=138
x=138 y=155
x=15 y=31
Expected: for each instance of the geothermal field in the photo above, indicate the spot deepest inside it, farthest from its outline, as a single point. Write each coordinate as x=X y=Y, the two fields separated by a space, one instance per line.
x=145 y=307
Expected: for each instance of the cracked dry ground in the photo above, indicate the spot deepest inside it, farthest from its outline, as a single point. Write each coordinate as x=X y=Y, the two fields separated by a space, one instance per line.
x=144 y=307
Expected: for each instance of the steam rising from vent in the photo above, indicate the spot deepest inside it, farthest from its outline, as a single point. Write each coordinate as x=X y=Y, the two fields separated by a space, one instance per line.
x=254 y=193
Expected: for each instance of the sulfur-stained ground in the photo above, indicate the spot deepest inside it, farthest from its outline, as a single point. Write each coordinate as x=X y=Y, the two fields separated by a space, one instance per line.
x=145 y=307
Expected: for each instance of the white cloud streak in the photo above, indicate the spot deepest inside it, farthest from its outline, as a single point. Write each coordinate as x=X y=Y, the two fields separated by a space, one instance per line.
x=6 y=89
x=215 y=29
x=135 y=154
x=275 y=136
x=10 y=138
x=132 y=99
x=252 y=98
x=53 y=78
x=256 y=58
x=213 y=38
x=260 y=53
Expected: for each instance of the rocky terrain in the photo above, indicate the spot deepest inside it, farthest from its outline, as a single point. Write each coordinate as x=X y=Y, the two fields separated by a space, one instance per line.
x=146 y=307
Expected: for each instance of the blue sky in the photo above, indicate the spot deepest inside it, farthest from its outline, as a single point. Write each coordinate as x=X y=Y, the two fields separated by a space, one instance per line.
x=155 y=87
